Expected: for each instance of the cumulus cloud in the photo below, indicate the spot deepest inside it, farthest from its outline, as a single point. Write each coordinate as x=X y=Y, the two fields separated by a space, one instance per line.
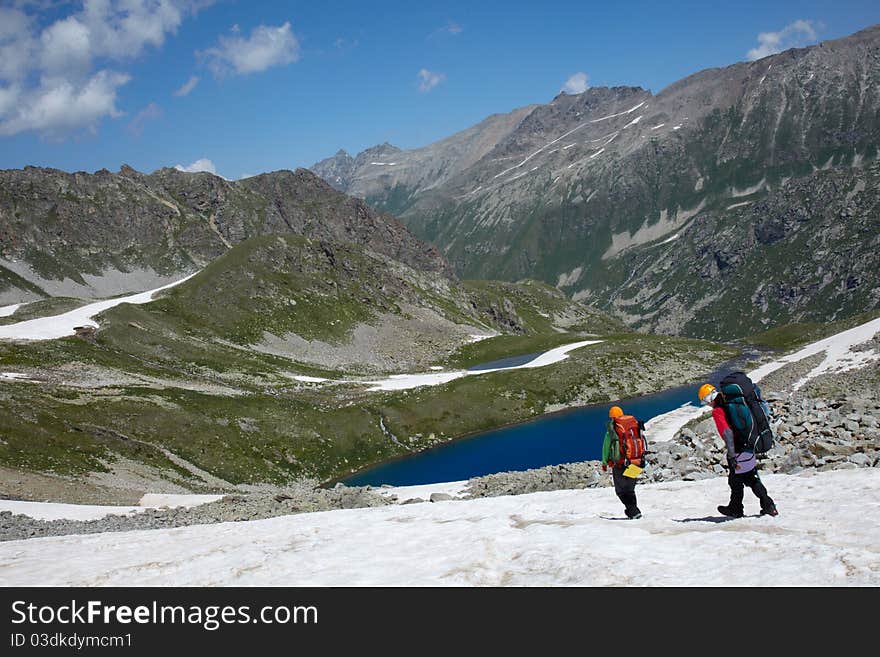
x=203 y=164
x=73 y=60
x=58 y=107
x=266 y=46
x=136 y=126
x=576 y=84
x=794 y=35
x=429 y=79
x=17 y=44
x=188 y=86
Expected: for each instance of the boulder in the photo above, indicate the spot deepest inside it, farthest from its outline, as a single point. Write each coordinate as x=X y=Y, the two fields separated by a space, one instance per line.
x=824 y=449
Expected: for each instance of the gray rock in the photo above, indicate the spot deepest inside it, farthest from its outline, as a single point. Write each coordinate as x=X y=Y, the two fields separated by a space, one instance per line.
x=823 y=449
x=441 y=497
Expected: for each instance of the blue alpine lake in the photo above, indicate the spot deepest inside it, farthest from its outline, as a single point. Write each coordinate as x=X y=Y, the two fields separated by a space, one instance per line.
x=565 y=437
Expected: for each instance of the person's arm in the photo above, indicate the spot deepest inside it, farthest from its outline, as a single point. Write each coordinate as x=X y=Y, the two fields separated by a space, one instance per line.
x=726 y=434
x=606 y=447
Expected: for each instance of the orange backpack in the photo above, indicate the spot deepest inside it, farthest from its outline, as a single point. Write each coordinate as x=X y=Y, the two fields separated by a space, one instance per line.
x=631 y=441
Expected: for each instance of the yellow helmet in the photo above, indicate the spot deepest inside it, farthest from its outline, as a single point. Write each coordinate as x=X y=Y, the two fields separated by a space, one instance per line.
x=616 y=411
x=707 y=393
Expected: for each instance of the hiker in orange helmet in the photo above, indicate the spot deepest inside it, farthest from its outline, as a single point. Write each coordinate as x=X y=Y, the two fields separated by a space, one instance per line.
x=742 y=464
x=624 y=450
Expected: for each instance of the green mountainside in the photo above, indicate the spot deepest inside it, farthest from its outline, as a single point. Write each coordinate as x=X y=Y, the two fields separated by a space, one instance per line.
x=748 y=185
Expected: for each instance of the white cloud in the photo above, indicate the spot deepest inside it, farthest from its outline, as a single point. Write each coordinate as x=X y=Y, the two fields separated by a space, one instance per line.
x=58 y=107
x=137 y=124
x=577 y=83
x=429 y=79
x=72 y=59
x=17 y=44
x=794 y=35
x=265 y=47
x=203 y=164
x=8 y=98
x=188 y=86
x=66 y=48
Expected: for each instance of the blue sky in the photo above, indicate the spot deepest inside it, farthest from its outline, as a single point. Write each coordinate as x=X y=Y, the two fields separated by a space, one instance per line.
x=246 y=86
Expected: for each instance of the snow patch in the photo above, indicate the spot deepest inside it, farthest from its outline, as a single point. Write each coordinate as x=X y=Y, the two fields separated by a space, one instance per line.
x=839 y=356
x=424 y=491
x=611 y=116
x=59 y=511
x=6 y=311
x=408 y=381
x=556 y=538
x=662 y=428
x=748 y=190
x=59 y=326
x=13 y=375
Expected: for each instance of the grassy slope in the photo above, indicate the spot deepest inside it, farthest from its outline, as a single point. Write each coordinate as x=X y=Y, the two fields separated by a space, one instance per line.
x=237 y=413
x=289 y=431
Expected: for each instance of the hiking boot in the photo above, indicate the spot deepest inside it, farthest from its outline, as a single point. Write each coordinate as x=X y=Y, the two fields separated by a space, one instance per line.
x=770 y=512
x=635 y=517
x=731 y=513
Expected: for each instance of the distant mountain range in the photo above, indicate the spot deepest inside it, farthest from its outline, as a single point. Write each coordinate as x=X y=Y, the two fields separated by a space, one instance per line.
x=736 y=199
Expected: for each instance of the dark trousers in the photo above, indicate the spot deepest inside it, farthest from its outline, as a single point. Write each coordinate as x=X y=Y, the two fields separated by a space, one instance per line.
x=625 y=487
x=738 y=482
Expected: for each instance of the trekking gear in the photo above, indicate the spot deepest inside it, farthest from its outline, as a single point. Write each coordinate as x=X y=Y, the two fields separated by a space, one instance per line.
x=705 y=391
x=632 y=471
x=635 y=517
x=747 y=413
x=769 y=512
x=616 y=411
x=631 y=445
x=730 y=513
x=742 y=462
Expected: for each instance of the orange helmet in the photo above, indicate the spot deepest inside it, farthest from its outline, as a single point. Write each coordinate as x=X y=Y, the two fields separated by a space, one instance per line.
x=707 y=393
x=616 y=411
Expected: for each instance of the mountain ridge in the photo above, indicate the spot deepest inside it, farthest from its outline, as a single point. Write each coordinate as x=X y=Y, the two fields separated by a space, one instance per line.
x=591 y=180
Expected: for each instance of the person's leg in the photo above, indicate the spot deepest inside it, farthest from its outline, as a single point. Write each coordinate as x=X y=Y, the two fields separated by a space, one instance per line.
x=625 y=487
x=753 y=481
x=735 y=507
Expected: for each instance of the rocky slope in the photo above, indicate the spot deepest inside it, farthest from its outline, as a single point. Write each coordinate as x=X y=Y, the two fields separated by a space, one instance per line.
x=662 y=208
x=93 y=235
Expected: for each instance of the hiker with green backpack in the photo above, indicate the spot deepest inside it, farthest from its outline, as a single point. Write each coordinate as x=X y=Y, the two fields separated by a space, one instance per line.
x=742 y=420
x=624 y=450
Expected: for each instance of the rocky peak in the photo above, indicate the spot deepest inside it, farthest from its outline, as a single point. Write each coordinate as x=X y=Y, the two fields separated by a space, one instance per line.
x=336 y=170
